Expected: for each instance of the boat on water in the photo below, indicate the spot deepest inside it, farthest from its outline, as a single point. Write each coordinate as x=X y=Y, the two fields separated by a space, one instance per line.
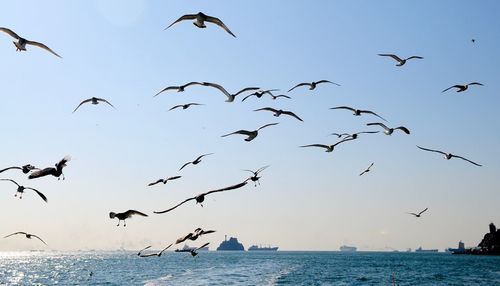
x=260 y=248
x=346 y=248
x=188 y=248
x=420 y=250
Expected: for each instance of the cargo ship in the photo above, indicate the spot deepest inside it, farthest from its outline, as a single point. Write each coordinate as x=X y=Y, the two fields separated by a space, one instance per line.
x=260 y=248
x=420 y=250
x=346 y=248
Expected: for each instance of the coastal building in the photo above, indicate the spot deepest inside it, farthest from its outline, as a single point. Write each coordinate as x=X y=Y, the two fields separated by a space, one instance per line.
x=231 y=244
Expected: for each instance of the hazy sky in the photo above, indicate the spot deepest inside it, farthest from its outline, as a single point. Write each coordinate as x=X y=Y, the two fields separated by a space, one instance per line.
x=308 y=199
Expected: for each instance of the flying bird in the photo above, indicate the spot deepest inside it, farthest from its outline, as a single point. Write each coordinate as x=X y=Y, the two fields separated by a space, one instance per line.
x=329 y=148
x=56 y=172
x=196 y=161
x=179 y=88
x=200 y=21
x=261 y=93
x=255 y=175
x=193 y=252
x=251 y=134
x=312 y=85
x=399 y=60
x=356 y=135
x=448 y=156
x=22 y=42
x=25 y=169
x=278 y=112
x=201 y=197
x=230 y=97
x=193 y=235
x=158 y=254
x=389 y=131
x=28 y=236
x=461 y=88
x=339 y=135
x=93 y=100
x=164 y=181
x=278 y=96
x=367 y=170
x=125 y=215
x=418 y=215
x=20 y=190
x=358 y=112
x=185 y=106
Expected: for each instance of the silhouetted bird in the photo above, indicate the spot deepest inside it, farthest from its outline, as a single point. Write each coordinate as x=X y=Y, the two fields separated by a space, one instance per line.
x=158 y=254
x=418 y=215
x=125 y=215
x=261 y=93
x=358 y=112
x=230 y=97
x=356 y=135
x=164 y=181
x=200 y=21
x=20 y=190
x=251 y=134
x=255 y=177
x=193 y=235
x=448 y=156
x=367 y=170
x=461 y=88
x=56 y=172
x=312 y=85
x=389 y=131
x=25 y=169
x=196 y=161
x=400 y=60
x=278 y=112
x=193 y=252
x=93 y=100
x=22 y=42
x=329 y=148
x=278 y=96
x=179 y=88
x=28 y=236
x=185 y=106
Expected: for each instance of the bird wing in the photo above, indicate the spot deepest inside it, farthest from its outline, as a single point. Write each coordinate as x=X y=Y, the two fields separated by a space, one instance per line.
x=41 y=173
x=363 y=172
x=159 y=181
x=182 y=18
x=423 y=211
x=373 y=113
x=431 y=150
x=3 y=170
x=413 y=214
x=475 y=83
x=203 y=156
x=202 y=246
x=262 y=169
x=316 y=145
x=392 y=56
x=414 y=57
x=19 y=232
x=10 y=32
x=379 y=124
x=83 y=102
x=194 y=103
x=202 y=232
x=166 y=88
x=219 y=23
x=39 y=238
x=342 y=141
x=281 y=95
x=185 y=165
x=182 y=239
x=173 y=178
x=233 y=187
x=267 y=125
x=134 y=212
x=177 y=106
x=63 y=161
x=267 y=109
x=147 y=247
x=300 y=84
x=242 y=132
x=460 y=157
x=292 y=114
x=172 y=208
x=344 y=107
x=192 y=83
x=404 y=129
x=246 y=89
x=104 y=100
x=10 y=181
x=455 y=86
x=244 y=98
x=326 y=81
x=164 y=249
x=40 y=45
x=217 y=86
x=39 y=193
x=366 y=132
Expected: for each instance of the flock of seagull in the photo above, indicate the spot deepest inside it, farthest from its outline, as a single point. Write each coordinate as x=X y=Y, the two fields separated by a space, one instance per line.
x=200 y=20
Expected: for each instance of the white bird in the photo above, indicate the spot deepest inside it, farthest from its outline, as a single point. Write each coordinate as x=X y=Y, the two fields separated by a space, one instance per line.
x=179 y=88
x=20 y=190
x=200 y=21
x=358 y=112
x=448 y=156
x=93 y=100
x=329 y=148
x=461 y=88
x=367 y=170
x=22 y=42
x=278 y=112
x=251 y=134
x=389 y=131
x=230 y=97
x=312 y=85
x=400 y=60
x=185 y=106
x=28 y=236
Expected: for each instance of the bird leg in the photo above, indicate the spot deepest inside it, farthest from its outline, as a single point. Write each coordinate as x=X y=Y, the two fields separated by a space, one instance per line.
x=118 y=223
x=124 y=223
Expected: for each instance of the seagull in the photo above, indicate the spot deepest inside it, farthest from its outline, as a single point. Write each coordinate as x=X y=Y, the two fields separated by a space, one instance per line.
x=461 y=88
x=255 y=177
x=418 y=215
x=329 y=148
x=56 y=172
x=125 y=215
x=260 y=93
x=358 y=112
x=389 y=131
x=448 y=156
x=193 y=235
x=25 y=169
x=251 y=134
x=356 y=135
x=200 y=21
x=164 y=181
x=28 y=236
x=312 y=85
x=93 y=100
x=158 y=254
x=367 y=170
x=185 y=106
x=339 y=135
x=196 y=161
x=201 y=197
x=230 y=97
x=193 y=251
x=20 y=190
x=22 y=42
x=179 y=88
x=278 y=96
x=399 y=60
x=279 y=112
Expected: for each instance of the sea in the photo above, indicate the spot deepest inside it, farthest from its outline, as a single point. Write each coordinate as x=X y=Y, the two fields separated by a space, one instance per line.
x=247 y=268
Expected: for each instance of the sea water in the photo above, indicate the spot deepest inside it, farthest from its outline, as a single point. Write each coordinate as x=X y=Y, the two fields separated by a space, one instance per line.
x=247 y=268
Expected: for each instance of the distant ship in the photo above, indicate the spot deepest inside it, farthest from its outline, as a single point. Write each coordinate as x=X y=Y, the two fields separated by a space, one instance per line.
x=459 y=250
x=231 y=244
x=188 y=248
x=425 y=250
x=260 y=248
x=348 y=248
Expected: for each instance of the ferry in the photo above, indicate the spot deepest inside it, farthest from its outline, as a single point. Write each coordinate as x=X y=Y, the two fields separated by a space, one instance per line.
x=260 y=248
x=346 y=248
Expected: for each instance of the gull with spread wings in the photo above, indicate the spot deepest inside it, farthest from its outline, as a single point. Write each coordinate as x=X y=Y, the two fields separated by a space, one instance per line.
x=179 y=88
x=367 y=170
x=261 y=93
x=28 y=236
x=389 y=131
x=278 y=112
x=196 y=161
x=20 y=190
x=358 y=112
x=93 y=100
x=255 y=174
x=158 y=254
x=193 y=252
x=400 y=60
x=164 y=181
x=200 y=21
x=230 y=97
x=448 y=156
x=125 y=215
x=461 y=87
x=193 y=235
x=329 y=148
x=185 y=106
x=22 y=42
x=56 y=172
x=312 y=85
x=251 y=134
x=420 y=213
x=25 y=169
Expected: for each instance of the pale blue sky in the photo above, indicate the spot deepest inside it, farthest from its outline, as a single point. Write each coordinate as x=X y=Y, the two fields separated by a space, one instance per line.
x=308 y=199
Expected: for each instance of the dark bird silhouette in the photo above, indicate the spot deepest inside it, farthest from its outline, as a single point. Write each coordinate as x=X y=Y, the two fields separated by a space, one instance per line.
x=367 y=170
x=400 y=60
x=312 y=85
x=193 y=235
x=56 y=172
x=196 y=161
x=200 y=21
x=473 y=40
x=358 y=112
x=201 y=197
x=255 y=175
x=25 y=169
x=356 y=135
x=278 y=96
x=448 y=156
x=329 y=148
x=179 y=88
x=251 y=134
x=185 y=106
x=125 y=215
x=461 y=88
x=93 y=100
x=339 y=135
x=28 y=236
x=158 y=254
x=164 y=181
x=389 y=131
x=230 y=96
x=261 y=93
x=22 y=42
x=278 y=112
x=20 y=190
x=193 y=252
x=420 y=213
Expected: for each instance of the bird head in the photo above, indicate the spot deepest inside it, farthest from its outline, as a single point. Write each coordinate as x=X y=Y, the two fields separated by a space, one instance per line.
x=112 y=215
